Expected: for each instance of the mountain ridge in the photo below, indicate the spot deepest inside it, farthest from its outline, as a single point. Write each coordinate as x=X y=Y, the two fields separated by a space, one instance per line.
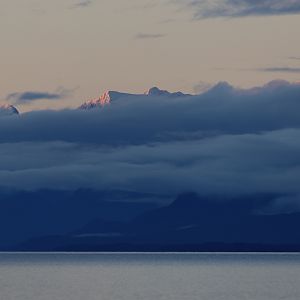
x=8 y=110
x=110 y=96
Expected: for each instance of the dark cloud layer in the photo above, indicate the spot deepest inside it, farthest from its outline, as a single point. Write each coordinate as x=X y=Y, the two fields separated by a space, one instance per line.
x=226 y=141
x=241 y=8
x=280 y=70
x=25 y=97
x=227 y=164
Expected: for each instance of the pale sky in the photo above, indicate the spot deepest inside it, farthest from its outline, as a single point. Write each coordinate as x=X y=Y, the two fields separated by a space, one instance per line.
x=82 y=48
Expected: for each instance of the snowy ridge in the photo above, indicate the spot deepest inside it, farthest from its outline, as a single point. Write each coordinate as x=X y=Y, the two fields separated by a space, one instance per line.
x=111 y=96
x=8 y=110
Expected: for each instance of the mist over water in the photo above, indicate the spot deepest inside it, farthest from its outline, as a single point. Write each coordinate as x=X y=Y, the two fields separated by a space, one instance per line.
x=149 y=276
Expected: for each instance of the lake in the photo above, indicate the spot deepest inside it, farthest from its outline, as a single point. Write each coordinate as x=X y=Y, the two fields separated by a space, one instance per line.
x=149 y=276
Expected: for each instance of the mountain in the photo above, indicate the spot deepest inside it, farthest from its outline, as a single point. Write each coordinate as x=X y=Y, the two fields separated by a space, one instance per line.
x=30 y=214
x=190 y=223
x=111 y=96
x=156 y=92
x=104 y=99
x=8 y=110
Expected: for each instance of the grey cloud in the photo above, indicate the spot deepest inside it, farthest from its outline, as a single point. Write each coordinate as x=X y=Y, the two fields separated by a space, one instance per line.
x=83 y=3
x=294 y=57
x=25 y=97
x=241 y=8
x=225 y=165
x=143 y=36
x=280 y=70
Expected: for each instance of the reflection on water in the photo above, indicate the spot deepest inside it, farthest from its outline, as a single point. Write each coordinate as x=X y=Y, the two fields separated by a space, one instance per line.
x=149 y=276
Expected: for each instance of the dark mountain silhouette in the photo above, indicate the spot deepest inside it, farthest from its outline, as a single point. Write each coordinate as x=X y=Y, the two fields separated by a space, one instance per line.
x=26 y=215
x=190 y=223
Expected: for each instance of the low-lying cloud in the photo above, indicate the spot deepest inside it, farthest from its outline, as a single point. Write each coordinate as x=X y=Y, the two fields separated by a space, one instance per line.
x=223 y=165
x=226 y=141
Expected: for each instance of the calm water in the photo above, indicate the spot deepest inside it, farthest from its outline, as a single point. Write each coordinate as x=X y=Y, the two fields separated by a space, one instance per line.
x=149 y=276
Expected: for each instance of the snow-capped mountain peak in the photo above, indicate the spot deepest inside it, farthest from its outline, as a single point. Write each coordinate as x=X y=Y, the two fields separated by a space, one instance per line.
x=104 y=99
x=8 y=110
x=110 y=96
x=155 y=91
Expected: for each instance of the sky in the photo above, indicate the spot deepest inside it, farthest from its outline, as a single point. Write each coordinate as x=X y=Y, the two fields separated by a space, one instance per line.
x=69 y=51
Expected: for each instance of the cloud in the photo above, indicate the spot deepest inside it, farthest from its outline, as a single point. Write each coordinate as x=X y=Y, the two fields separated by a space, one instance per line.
x=30 y=96
x=227 y=165
x=226 y=141
x=283 y=204
x=138 y=120
x=83 y=3
x=280 y=70
x=241 y=8
x=294 y=57
x=202 y=87
x=143 y=36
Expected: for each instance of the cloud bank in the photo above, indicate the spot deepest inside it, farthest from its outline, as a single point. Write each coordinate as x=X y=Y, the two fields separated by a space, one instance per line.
x=241 y=8
x=226 y=141
x=30 y=96
x=280 y=70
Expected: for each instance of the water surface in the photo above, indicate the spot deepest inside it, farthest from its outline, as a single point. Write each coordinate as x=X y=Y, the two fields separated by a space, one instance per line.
x=149 y=276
